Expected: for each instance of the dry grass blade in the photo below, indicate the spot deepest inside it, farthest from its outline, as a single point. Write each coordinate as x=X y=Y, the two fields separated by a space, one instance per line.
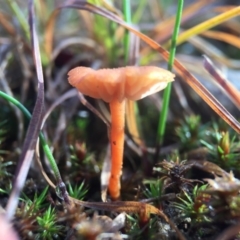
x=143 y=209
x=226 y=86
x=207 y=96
x=84 y=101
x=34 y=125
x=78 y=4
x=187 y=14
x=131 y=122
x=69 y=94
x=4 y=20
x=49 y=33
x=224 y=8
x=86 y=42
x=225 y=37
x=105 y=174
x=41 y=169
x=212 y=51
x=182 y=71
x=208 y=24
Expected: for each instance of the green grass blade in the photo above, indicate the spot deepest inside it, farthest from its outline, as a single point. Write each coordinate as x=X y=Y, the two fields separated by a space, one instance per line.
x=127 y=18
x=167 y=91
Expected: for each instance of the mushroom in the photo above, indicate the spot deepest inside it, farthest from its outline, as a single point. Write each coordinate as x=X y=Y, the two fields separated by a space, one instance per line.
x=114 y=86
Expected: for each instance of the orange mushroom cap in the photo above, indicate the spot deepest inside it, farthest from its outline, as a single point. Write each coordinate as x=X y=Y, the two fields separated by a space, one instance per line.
x=133 y=82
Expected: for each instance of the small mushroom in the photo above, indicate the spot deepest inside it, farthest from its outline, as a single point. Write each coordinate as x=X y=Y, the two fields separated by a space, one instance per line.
x=114 y=86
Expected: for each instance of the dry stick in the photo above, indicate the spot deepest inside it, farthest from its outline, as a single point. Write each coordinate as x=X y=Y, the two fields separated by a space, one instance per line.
x=232 y=92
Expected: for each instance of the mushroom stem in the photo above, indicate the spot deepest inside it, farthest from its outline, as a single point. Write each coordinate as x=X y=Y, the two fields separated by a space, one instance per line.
x=117 y=110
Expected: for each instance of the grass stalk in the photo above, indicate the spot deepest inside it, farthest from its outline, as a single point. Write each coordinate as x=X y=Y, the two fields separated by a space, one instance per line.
x=167 y=91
